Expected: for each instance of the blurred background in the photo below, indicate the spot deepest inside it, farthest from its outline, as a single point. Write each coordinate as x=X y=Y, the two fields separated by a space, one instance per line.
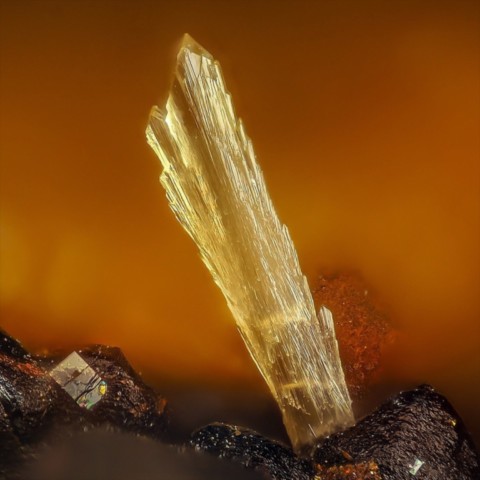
x=365 y=116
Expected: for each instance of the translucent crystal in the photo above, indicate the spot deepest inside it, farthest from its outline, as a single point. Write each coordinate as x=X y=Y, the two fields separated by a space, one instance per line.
x=217 y=192
x=417 y=465
x=79 y=380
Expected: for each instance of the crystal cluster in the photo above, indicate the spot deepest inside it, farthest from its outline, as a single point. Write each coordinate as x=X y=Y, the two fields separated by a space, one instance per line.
x=217 y=191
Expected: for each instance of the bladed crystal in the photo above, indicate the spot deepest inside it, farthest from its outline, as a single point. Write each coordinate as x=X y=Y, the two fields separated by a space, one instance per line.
x=217 y=192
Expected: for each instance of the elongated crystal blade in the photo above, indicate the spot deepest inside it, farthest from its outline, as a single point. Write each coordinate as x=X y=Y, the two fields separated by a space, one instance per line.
x=217 y=191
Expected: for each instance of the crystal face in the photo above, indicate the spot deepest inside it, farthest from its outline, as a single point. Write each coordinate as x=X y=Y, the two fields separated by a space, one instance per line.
x=217 y=192
x=417 y=465
x=79 y=380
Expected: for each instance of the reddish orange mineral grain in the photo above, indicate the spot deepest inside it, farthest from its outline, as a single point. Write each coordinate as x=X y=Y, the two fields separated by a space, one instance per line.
x=360 y=471
x=362 y=328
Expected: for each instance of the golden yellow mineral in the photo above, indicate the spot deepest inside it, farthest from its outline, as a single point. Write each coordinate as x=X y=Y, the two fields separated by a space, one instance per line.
x=217 y=191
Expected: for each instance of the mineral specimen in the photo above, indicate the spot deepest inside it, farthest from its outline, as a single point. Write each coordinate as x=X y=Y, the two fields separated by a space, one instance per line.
x=128 y=402
x=33 y=404
x=415 y=435
x=217 y=191
x=31 y=400
x=79 y=380
x=253 y=451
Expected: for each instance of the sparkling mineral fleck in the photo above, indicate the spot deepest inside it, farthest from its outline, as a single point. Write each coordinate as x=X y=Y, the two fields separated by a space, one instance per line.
x=417 y=465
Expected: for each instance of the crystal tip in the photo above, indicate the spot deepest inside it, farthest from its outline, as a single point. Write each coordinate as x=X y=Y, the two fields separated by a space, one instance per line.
x=189 y=43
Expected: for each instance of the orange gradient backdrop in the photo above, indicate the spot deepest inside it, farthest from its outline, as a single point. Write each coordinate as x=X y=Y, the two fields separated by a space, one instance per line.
x=365 y=119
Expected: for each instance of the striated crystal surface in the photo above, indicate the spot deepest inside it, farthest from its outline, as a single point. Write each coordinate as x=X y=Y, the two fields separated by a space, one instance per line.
x=217 y=192
x=79 y=380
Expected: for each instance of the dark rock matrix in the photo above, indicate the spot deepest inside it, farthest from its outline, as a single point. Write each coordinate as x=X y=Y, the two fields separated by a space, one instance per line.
x=45 y=433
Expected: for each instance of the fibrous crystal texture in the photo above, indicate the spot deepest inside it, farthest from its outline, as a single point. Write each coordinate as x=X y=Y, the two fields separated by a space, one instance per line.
x=217 y=191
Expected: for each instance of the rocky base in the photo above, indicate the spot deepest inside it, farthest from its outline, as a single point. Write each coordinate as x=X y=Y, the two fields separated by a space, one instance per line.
x=45 y=433
x=417 y=434
x=34 y=407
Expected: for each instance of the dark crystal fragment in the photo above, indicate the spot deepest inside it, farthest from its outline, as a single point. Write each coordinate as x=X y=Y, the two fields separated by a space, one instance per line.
x=128 y=402
x=31 y=400
x=11 y=347
x=415 y=435
x=9 y=444
x=33 y=404
x=253 y=451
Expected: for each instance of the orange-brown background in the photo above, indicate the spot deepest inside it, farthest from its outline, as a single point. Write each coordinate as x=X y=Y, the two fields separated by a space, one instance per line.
x=365 y=119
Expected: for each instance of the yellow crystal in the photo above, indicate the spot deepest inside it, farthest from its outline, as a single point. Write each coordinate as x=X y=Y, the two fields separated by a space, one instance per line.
x=217 y=192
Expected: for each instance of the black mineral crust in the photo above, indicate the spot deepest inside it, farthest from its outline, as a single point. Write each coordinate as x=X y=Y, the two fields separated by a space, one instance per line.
x=34 y=407
x=252 y=450
x=31 y=401
x=415 y=435
x=128 y=402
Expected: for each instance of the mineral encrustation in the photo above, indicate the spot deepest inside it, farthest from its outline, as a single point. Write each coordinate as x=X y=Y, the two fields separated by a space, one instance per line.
x=363 y=329
x=217 y=191
x=34 y=406
x=415 y=435
x=252 y=450
x=125 y=400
